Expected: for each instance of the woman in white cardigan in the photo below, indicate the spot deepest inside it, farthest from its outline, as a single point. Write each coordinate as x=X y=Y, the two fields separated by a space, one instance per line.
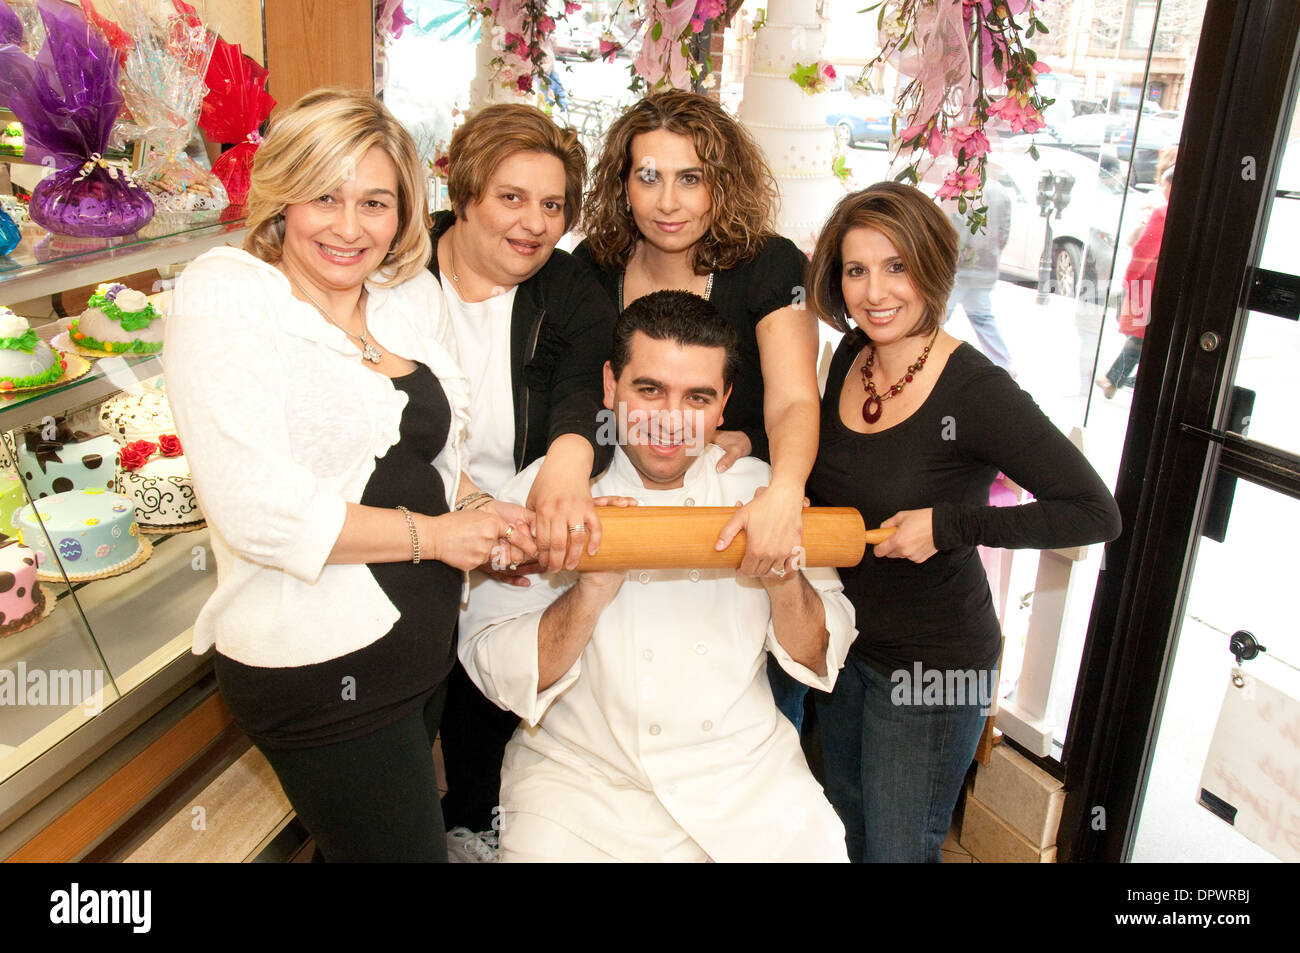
x=315 y=387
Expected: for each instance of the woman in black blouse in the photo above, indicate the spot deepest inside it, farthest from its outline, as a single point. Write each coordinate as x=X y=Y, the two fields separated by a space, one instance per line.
x=683 y=200
x=915 y=427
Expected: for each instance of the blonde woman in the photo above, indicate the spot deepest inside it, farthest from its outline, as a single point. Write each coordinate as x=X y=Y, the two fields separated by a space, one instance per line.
x=315 y=390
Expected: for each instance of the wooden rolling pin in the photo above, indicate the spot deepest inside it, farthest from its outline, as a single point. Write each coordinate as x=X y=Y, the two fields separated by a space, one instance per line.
x=683 y=537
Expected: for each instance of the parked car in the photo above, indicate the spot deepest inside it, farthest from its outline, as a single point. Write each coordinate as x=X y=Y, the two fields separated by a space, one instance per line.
x=861 y=119
x=1083 y=236
x=1108 y=137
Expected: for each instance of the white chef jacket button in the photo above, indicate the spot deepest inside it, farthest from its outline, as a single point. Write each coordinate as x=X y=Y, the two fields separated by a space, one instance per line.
x=700 y=648
x=689 y=501
x=671 y=789
x=694 y=575
x=707 y=726
x=644 y=578
x=655 y=729
x=648 y=655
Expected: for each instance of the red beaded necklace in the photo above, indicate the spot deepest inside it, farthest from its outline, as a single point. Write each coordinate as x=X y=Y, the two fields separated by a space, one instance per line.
x=874 y=404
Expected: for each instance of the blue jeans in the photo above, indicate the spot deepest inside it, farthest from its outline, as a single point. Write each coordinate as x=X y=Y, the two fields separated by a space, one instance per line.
x=978 y=305
x=894 y=771
x=787 y=691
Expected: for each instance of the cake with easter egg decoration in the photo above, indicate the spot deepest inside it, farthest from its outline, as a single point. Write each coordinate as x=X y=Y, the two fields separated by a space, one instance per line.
x=25 y=360
x=90 y=533
x=118 y=320
x=23 y=602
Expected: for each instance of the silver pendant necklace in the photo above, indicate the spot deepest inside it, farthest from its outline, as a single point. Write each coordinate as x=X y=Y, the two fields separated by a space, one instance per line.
x=368 y=350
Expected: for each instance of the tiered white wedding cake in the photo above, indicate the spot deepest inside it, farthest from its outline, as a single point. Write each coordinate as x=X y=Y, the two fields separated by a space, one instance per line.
x=790 y=123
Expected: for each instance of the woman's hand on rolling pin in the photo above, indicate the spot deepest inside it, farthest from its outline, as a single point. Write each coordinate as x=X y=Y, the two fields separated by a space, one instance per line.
x=465 y=539
x=515 y=555
x=773 y=525
x=567 y=524
x=913 y=539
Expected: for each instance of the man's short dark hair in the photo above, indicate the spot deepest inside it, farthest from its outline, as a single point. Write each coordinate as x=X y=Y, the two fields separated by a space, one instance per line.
x=680 y=317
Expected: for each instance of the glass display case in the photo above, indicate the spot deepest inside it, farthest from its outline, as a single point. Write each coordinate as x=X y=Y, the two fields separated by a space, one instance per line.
x=107 y=640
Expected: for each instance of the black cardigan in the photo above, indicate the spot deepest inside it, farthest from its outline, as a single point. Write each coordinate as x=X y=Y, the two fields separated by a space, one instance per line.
x=561 y=334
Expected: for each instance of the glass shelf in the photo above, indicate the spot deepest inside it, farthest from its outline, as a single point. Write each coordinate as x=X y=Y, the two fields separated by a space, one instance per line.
x=44 y=263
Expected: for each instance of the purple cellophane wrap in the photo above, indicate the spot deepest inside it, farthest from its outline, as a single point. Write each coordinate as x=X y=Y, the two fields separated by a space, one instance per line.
x=67 y=99
x=11 y=28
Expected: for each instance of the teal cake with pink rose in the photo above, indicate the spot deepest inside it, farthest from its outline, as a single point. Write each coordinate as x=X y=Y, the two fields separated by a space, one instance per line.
x=88 y=532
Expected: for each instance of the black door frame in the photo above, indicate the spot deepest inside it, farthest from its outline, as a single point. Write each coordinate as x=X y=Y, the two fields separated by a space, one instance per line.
x=1236 y=113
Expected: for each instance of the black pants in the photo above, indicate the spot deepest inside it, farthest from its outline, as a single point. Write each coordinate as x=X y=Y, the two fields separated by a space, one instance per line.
x=474 y=736
x=374 y=798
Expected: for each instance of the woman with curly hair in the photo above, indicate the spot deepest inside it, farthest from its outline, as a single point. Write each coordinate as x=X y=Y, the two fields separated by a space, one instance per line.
x=683 y=200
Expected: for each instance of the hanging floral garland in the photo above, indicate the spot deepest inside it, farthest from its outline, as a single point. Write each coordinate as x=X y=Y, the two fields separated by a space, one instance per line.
x=970 y=68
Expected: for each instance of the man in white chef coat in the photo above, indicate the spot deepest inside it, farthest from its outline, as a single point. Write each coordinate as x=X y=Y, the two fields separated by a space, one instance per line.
x=649 y=731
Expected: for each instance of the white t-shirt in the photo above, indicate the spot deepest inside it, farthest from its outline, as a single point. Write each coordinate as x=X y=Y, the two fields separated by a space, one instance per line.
x=482 y=330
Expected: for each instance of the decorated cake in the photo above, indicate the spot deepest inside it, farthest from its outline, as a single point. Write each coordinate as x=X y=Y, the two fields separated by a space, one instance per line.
x=156 y=478
x=22 y=601
x=11 y=139
x=119 y=320
x=90 y=532
x=57 y=462
x=12 y=498
x=132 y=417
x=25 y=360
x=789 y=122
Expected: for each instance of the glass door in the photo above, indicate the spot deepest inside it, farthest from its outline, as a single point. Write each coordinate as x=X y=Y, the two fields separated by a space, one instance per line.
x=1243 y=582
x=1209 y=489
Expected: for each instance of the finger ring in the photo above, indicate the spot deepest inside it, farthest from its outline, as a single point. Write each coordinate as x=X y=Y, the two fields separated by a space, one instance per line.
x=780 y=573
x=514 y=566
x=509 y=531
x=578 y=528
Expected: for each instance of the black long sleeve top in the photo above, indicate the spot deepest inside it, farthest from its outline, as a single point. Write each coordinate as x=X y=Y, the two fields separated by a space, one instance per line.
x=975 y=423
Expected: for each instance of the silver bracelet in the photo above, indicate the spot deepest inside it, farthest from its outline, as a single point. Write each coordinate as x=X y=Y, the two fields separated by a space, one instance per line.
x=415 y=537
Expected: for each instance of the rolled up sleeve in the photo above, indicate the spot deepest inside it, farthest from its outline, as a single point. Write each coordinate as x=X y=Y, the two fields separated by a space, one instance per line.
x=839 y=626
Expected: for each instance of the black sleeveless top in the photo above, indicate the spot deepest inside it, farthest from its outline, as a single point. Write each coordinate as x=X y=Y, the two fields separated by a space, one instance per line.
x=354 y=694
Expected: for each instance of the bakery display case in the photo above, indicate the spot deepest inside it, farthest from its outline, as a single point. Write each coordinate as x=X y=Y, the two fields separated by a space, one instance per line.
x=95 y=502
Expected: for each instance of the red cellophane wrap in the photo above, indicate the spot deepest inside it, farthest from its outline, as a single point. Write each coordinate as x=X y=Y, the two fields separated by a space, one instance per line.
x=236 y=105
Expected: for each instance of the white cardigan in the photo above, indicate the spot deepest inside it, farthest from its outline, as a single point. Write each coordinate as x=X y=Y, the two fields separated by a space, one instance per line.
x=281 y=423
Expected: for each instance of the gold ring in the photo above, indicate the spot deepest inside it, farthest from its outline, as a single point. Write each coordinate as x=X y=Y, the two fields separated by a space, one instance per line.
x=509 y=531
x=780 y=573
x=514 y=566
x=578 y=528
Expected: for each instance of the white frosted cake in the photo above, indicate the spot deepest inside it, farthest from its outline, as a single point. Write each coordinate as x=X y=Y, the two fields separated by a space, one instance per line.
x=156 y=478
x=789 y=123
x=151 y=469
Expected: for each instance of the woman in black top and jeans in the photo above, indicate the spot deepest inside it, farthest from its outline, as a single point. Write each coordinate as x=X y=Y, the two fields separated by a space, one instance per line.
x=915 y=426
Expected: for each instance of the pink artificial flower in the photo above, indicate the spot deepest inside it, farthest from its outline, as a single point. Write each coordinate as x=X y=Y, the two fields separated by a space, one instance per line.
x=935 y=142
x=958 y=182
x=545 y=26
x=608 y=48
x=570 y=7
x=525 y=83
x=706 y=10
x=513 y=41
x=1021 y=116
x=970 y=138
x=1041 y=67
